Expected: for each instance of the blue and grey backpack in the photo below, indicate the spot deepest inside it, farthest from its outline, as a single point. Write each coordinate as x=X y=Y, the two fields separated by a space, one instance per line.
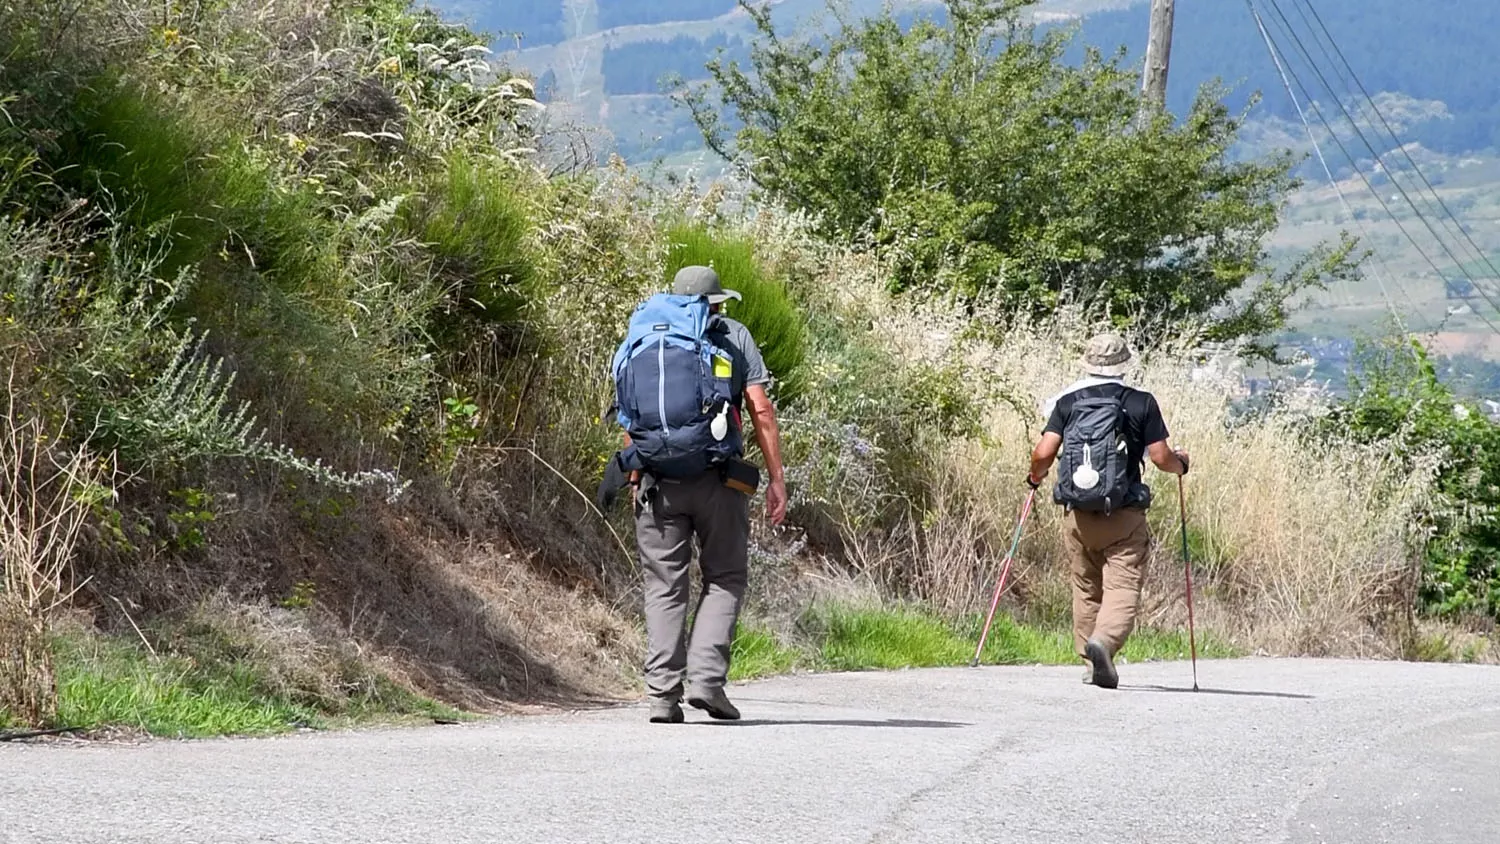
x=673 y=389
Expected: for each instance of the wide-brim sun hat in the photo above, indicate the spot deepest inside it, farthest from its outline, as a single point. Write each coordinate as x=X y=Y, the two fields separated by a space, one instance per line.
x=702 y=281
x=1107 y=355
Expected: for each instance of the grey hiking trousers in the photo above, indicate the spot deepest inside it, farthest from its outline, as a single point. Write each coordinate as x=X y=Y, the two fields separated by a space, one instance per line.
x=669 y=514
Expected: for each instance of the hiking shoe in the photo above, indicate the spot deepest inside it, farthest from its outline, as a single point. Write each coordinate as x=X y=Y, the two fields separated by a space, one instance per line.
x=715 y=703
x=666 y=712
x=1088 y=675
x=1104 y=675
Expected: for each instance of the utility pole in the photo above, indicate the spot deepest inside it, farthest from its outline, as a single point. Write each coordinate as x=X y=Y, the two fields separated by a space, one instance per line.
x=1158 y=59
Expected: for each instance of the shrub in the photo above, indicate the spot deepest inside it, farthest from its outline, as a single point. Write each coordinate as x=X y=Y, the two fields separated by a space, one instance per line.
x=195 y=187
x=908 y=457
x=1397 y=401
x=767 y=309
x=472 y=219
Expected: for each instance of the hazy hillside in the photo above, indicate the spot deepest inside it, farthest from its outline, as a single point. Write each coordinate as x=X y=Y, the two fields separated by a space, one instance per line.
x=1434 y=50
x=609 y=57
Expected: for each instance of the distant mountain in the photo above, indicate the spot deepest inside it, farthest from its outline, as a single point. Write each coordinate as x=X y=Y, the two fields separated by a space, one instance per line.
x=608 y=57
x=1445 y=50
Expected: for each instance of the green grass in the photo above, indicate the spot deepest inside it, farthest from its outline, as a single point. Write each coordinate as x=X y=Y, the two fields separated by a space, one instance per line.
x=844 y=638
x=102 y=682
x=759 y=653
x=197 y=188
x=857 y=639
x=473 y=219
x=1147 y=644
x=107 y=681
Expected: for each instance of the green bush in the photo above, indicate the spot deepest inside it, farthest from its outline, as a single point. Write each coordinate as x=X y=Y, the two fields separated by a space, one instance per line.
x=859 y=639
x=196 y=188
x=767 y=310
x=1396 y=399
x=472 y=219
x=758 y=653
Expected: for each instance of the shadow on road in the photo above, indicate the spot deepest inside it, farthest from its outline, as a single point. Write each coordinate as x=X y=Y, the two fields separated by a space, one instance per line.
x=1202 y=691
x=835 y=722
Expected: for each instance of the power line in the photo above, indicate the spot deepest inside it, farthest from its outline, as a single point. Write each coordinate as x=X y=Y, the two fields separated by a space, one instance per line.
x=1457 y=223
x=1344 y=73
x=1349 y=79
x=1359 y=132
x=1318 y=148
x=1350 y=82
x=1364 y=232
x=1307 y=57
x=1364 y=178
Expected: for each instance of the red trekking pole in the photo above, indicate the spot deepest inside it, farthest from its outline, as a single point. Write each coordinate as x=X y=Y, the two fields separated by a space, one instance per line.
x=1004 y=573
x=1187 y=572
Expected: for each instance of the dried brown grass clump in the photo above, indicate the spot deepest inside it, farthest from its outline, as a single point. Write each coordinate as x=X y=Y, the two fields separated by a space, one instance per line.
x=1304 y=553
x=45 y=494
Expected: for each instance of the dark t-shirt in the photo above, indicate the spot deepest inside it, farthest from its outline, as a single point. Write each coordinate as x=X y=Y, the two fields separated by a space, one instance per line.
x=1144 y=424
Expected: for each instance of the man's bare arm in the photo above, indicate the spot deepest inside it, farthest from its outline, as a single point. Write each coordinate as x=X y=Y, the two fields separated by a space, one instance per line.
x=1044 y=455
x=768 y=437
x=1168 y=460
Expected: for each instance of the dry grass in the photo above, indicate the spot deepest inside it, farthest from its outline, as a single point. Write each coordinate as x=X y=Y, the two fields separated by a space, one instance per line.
x=45 y=495
x=1300 y=552
x=435 y=592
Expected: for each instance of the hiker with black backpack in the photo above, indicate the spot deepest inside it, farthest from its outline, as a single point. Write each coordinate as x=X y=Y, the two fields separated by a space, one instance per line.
x=682 y=377
x=1099 y=431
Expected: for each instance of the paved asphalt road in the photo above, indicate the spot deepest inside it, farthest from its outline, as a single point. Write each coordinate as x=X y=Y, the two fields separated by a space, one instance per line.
x=1269 y=751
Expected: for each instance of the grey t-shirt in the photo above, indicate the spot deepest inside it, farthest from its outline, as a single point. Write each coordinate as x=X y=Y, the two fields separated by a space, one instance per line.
x=749 y=366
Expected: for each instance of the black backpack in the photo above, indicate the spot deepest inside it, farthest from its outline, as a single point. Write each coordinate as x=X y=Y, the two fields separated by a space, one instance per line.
x=1093 y=471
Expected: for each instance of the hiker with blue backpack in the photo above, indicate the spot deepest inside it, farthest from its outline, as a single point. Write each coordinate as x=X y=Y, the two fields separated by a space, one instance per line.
x=682 y=378
x=1099 y=431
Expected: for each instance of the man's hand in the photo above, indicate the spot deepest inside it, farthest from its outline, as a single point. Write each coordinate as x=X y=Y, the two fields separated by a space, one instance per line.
x=1042 y=458
x=776 y=502
x=1173 y=461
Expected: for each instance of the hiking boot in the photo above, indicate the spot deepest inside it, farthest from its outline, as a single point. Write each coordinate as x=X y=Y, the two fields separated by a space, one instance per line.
x=666 y=712
x=714 y=702
x=1104 y=675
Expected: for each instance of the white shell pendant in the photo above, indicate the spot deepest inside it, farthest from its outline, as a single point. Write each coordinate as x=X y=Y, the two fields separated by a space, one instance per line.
x=1085 y=476
x=720 y=426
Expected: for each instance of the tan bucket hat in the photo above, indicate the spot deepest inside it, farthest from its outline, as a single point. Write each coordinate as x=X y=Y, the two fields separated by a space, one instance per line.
x=1107 y=355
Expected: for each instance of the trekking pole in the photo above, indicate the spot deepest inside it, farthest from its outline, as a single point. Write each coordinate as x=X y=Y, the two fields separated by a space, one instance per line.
x=1004 y=572
x=1187 y=571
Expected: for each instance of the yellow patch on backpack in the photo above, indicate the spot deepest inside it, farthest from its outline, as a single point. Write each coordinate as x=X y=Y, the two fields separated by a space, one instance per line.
x=723 y=367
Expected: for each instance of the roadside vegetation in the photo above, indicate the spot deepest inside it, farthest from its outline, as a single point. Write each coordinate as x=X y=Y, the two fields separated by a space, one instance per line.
x=305 y=316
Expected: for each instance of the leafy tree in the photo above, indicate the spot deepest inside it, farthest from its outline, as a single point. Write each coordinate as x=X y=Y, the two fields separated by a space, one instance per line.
x=982 y=162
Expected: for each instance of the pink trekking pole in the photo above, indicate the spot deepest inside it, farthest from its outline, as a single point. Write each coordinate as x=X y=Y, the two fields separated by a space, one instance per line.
x=1004 y=573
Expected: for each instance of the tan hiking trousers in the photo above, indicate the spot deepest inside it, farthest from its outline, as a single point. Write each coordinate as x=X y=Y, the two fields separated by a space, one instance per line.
x=1107 y=558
